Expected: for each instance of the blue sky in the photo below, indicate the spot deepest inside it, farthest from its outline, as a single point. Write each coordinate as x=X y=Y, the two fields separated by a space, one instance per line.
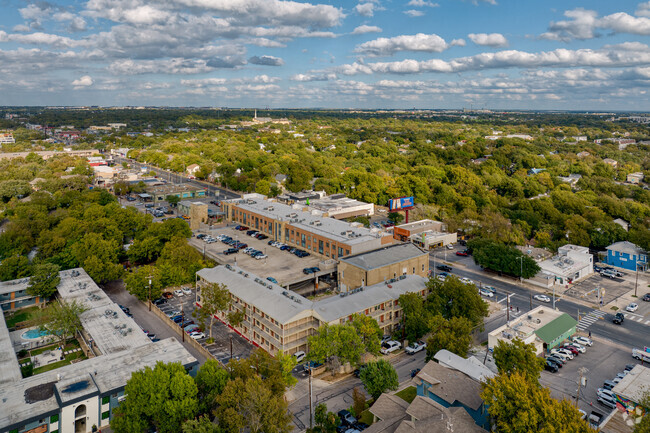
x=496 y=54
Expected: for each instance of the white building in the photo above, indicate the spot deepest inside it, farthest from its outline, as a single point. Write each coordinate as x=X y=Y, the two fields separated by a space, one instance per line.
x=572 y=263
x=7 y=138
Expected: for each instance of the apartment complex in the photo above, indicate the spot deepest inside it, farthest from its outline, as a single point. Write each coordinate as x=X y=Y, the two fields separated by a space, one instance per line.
x=382 y=265
x=277 y=319
x=299 y=226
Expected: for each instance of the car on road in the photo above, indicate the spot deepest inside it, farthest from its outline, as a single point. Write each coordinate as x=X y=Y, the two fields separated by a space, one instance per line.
x=463 y=253
x=542 y=298
x=551 y=366
x=390 y=346
x=414 y=372
x=187 y=290
x=197 y=335
x=619 y=318
x=465 y=280
x=444 y=268
x=646 y=297
x=485 y=292
x=583 y=340
x=632 y=307
x=346 y=417
x=490 y=288
x=178 y=292
x=442 y=276
x=230 y=251
x=415 y=347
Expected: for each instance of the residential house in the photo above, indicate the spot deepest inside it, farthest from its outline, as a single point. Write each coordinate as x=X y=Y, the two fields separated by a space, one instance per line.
x=583 y=154
x=621 y=222
x=610 y=161
x=635 y=178
x=628 y=256
x=193 y=169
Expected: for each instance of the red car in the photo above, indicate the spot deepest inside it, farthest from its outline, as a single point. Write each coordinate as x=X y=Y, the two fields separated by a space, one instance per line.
x=462 y=253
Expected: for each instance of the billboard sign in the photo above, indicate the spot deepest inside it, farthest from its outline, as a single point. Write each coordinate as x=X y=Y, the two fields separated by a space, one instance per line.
x=401 y=203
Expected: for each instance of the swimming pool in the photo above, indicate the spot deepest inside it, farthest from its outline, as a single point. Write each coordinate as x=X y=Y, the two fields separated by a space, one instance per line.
x=33 y=334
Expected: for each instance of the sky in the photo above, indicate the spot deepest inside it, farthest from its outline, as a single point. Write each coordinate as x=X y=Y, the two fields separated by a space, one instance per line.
x=386 y=54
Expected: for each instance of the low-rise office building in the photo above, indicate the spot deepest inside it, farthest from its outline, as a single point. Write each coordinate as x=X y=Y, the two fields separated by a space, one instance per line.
x=160 y=193
x=277 y=319
x=403 y=232
x=572 y=263
x=542 y=327
x=381 y=265
x=628 y=256
x=299 y=226
x=433 y=239
x=73 y=398
x=631 y=390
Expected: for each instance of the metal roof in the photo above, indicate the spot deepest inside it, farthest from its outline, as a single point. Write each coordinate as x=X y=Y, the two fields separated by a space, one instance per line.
x=385 y=256
x=625 y=247
x=556 y=327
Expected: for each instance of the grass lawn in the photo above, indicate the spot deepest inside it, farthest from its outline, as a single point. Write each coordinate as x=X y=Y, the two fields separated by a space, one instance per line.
x=366 y=417
x=68 y=360
x=408 y=394
x=20 y=316
x=70 y=344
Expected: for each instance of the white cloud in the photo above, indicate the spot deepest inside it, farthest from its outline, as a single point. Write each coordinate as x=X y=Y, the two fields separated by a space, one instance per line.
x=414 y=13
x=584 y=24
x=85 y=81
x=174 y=66
x=422 y=3
x=490 y=40
x=363 y=29
x=366 y=9
x=643 y=9
x=388 y=46
x=458 y=43
x=266 y=61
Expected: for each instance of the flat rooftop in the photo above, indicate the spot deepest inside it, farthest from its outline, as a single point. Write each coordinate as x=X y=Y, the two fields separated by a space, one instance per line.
x=418 y=224
x=384 y=256
x=526 y=324
x=328 y=204
x=562 y=265
x=635 y=384
x=313 y=222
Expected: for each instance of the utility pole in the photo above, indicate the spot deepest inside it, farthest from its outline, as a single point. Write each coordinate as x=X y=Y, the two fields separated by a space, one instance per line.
x=582 y=371
x=182 y=321
x=150 y=293
x=636 y=280
x=507 y=308
x=311 y=412
x=521 y=269
x=231 y=346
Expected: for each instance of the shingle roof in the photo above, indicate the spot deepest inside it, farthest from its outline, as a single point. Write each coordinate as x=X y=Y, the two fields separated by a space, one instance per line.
x=451 y=385
x=389 y=406
x=555 y=328
x=384 y=257
x=625 y=247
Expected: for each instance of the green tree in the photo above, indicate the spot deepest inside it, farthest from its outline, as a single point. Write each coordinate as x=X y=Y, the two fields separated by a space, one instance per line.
x=369 y=331
x=61 y=319
x=452 y=298
x=378 y=377
x=44 y=280
x=210 y=380
x=643 y=426
x=454 y=335
x=395 y=217
x=517 y=356
x=121 y=188
x=263 y=187
x=163 y=397
x=519 y=405
x=326 y=422
x=137 y=283
x=499 y=257
x=173 y=200
x=201 y=424
x=145 y=250
x=358 y=401
x=14 y=267
x=14 y=188
x=215 y=297
x=415 y=318
x=336 y=341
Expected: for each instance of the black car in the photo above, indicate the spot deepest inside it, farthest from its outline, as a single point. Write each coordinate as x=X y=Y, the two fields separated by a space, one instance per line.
x=347 y=418
x=646 y=297
x=360 y=426
x=619 y=318
x=160 y=301
x=555 y=360
x=444 y=268
x=414 y=372
x=231 y=251
x=200 y=236
x=550 y=366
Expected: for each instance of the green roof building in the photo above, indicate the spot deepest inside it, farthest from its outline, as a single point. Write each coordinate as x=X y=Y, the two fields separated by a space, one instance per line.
x=558 y=330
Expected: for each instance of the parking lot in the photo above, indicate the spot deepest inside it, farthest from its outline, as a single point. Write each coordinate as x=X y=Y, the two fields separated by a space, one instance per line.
x=224 y=337
x=587 y=289
x=284 y=267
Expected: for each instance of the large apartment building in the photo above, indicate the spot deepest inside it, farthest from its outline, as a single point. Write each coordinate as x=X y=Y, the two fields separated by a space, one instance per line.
x=277 y=319
x=299 y=226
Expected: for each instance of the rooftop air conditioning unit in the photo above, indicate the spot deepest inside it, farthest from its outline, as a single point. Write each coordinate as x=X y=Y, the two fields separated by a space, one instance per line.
x=311 y=223
x=270 y=208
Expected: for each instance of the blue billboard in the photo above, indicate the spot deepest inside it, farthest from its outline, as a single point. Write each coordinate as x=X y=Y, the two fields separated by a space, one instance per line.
x=401 y=203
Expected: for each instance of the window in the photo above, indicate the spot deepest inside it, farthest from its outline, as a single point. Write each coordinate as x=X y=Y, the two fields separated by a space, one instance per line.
x=106 y=414
x=320 y=247
x=413 y=270
x=54 y=418
x=302 y=240
x=340 y=251
x=423 y=267
x=106 y=400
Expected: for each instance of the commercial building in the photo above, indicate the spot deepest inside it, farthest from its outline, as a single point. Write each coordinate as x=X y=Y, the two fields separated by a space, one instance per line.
x=73 y=398
x=334 y=206
x=159 y=193
x=197 y=212
x=572 y=263
x=381 y=265
x=631 y=390
x=628 y=256
x=542 y=327
x=47 y=154
x=299 y=226
x=433 y=239
x=277 y=319
x=403 y=232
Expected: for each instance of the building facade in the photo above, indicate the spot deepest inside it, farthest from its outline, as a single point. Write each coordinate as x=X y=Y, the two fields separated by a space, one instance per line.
x=403 y=232
x=628 y=256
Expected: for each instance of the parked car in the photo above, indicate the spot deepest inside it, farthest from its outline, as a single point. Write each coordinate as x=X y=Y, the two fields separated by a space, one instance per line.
x=632 y=307
x=273 y=280
x=167 y=295
x=571 y=349
x=230 y=251
x=554 y=361
x=619 y=318
x=463 y=253
x=583 y=340
x=646 y=297
x=197 y=335
x=444 y=268
x=414 y=372
x=450 y=247
x=609 y=273
x=580 y=348
x=390 y=346
x=300 y=355
x=551 y=366
x=159 y=301
x=187 y=323
x=178 y=292
x=542 y=298
x=607 y=401
x=177 y=319
x=186 y=290
x=563 y=356
x=569 y=353
x=415 y=347
x=347 y=418
x=608 y=385
x=307 y=271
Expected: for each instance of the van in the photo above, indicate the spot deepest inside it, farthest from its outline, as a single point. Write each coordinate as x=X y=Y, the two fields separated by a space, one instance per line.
x=609 y=385
x=299 y=356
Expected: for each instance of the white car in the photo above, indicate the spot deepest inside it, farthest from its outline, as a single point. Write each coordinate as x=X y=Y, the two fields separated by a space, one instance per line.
x=450 y=247
x=261 y=256
x=485 y=292
x=415 y=347
x=563 y=356
x=390 y=346
x=300 y=355
x=465 y=280
x=567 y=352
x=187 y=290
x=583 y=340
x=542 y=298
x=178 y=292
x=632 y=307
x=197 y=335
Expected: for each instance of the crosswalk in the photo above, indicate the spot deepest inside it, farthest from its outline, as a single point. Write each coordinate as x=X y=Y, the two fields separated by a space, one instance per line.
x=590 y=318
x=636 y=318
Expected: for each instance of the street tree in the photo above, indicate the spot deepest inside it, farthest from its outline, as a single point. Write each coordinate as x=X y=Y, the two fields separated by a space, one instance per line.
x=369 y=331
x=173 y=200
x=415 y=318
x=340 y=341
x=137 y=283
x=210 y=380
x=453 y=298
x=517 y=356
x=395 y=217
x=163 y=397
x=643 y=426
x=378 y=377
x=202 y=424
x=215 y=297
x=326 y=422
x=454 y=335
x=499 y=257
x=518 y=404
x=44 y=280
x=61 y=319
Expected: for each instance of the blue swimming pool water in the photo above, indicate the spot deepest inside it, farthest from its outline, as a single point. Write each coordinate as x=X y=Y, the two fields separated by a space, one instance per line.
x=33 y=334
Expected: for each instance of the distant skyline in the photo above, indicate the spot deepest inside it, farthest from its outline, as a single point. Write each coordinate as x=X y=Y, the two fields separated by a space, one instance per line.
x=431 y=54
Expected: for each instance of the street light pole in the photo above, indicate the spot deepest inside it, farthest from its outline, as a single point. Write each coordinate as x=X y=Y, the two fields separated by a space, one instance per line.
x=636 y=280
x=149 y=293
x=521 y=269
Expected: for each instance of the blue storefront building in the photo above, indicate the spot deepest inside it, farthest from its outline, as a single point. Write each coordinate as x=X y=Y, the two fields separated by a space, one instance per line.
x=628 y=256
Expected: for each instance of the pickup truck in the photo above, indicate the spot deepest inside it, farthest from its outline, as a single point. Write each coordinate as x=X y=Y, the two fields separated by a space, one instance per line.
x=390 y=346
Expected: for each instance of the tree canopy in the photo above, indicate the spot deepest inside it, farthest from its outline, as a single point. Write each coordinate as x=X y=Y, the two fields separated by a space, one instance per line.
x=517 y=356
x=378 y=377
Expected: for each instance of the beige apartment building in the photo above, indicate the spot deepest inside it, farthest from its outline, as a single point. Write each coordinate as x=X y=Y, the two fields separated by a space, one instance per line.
x=378 y=266
x=277 y=319
x=301 y=227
